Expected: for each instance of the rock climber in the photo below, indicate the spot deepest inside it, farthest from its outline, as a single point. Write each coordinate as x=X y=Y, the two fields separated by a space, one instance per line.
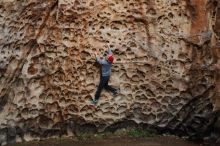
x=106 y=64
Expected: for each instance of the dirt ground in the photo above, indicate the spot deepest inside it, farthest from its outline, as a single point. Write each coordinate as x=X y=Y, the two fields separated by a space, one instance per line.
x=156 y=141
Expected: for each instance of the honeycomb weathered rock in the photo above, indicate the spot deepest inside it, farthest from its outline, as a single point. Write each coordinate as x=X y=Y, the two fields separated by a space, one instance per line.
x=166 y=66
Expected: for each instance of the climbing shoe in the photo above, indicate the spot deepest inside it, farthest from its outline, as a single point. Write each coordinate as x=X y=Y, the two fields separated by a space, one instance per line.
x=94 y=101
x=114 y=94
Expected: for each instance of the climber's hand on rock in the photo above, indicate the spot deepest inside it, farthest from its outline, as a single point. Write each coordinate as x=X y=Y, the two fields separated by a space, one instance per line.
x=108 y=46
x=105 y=47
x=96 y=54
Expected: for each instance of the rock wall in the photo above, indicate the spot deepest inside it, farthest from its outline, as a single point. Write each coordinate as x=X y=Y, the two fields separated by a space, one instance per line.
x=166 y=66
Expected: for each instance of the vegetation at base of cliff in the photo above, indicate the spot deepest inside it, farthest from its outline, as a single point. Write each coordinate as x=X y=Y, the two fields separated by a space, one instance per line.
x=136 y=133
x=140 y=133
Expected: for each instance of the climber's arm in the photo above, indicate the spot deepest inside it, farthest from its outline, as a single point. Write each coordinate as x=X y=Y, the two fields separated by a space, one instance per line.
x=110 y=51
x=100 y=60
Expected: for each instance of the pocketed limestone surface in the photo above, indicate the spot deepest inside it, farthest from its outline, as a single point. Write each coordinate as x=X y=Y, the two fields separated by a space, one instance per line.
x=166 y=66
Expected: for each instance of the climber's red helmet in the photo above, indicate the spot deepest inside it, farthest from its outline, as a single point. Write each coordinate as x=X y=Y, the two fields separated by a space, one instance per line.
x=110 y=58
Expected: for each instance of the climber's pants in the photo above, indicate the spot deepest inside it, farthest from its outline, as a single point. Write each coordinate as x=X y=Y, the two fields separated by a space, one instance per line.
x=104 y=84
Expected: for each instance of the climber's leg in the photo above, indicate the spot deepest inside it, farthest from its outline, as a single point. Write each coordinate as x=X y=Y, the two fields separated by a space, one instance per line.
x=110 y=88
x=100 y=87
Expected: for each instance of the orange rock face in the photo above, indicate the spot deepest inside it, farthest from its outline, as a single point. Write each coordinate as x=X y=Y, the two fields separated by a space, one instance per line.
x=166 y=66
